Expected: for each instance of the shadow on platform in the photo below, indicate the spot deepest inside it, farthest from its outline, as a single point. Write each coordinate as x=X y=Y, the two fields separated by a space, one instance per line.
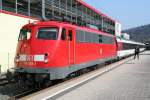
x=145 y=54
x=130 y=63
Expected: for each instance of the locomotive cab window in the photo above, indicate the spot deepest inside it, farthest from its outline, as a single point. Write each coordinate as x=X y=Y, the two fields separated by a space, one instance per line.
x=63 y=34
x=70 y=35
x=47 y=33
x=25 y=34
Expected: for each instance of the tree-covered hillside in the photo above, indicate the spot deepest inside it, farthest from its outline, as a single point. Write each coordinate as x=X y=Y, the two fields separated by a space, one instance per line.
x=140 y=34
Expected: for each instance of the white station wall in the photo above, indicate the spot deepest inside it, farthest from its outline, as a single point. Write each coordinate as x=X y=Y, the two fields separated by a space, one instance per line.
x=9 y=31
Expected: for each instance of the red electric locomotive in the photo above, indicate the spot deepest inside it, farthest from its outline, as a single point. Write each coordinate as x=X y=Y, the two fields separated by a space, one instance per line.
x=52 y=50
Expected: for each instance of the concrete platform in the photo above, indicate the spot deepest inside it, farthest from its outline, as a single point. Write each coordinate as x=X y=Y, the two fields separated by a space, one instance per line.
x=131 y=81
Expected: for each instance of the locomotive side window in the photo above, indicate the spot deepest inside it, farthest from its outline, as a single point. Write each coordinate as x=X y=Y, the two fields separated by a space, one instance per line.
x=63 y=34
x=100 y=38
x=70 y=35
x=96 y=38
x=107 y=40
x=89 y=37
x=77 y=36
x=80 y=36
x=47 y=33
x=25 y=34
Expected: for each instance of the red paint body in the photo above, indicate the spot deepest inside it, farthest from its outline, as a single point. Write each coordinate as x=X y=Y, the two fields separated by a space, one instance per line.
x=62 y=53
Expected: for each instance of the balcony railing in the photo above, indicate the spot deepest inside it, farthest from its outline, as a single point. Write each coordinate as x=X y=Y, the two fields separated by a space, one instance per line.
x=73 y=10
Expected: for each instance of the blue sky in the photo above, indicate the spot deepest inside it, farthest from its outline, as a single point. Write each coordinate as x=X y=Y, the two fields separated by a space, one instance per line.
x=130 y=13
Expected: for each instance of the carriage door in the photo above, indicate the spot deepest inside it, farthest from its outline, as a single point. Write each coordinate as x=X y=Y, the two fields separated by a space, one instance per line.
x=71 y=46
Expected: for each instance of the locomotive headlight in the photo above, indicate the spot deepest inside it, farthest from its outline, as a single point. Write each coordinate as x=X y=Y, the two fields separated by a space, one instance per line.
x=46 y=58
x=17 y=58
x=46 y=61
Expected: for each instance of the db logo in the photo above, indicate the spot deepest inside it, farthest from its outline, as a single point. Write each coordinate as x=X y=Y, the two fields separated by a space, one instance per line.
x=30 y=58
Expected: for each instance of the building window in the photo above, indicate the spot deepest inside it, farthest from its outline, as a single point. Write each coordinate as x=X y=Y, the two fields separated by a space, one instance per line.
x=22 y=7
x=36 y=9
x=0 y=4
x=9 y=5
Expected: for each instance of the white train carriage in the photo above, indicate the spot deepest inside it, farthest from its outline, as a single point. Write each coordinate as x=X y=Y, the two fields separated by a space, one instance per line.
x=127 y=47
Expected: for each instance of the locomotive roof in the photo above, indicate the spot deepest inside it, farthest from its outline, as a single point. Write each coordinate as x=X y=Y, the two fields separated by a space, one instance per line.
x=62 y=24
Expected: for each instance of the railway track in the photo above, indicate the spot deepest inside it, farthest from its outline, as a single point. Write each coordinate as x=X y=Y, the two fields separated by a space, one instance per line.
x=19 y=95
x=9 y=87
x=11 y=90
x=54 y=92
x=3 y=81
x=23 y=91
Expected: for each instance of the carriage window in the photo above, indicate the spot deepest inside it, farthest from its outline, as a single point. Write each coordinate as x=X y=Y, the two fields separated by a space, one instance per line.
x=63 y=34
x=47 y=33
x=25 y=34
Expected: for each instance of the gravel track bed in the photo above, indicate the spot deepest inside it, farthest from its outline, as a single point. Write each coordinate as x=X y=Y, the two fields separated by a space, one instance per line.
x=10 y=90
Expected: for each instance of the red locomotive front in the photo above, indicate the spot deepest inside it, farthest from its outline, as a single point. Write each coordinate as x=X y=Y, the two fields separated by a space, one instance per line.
x=45 y=48
x=37 y=46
